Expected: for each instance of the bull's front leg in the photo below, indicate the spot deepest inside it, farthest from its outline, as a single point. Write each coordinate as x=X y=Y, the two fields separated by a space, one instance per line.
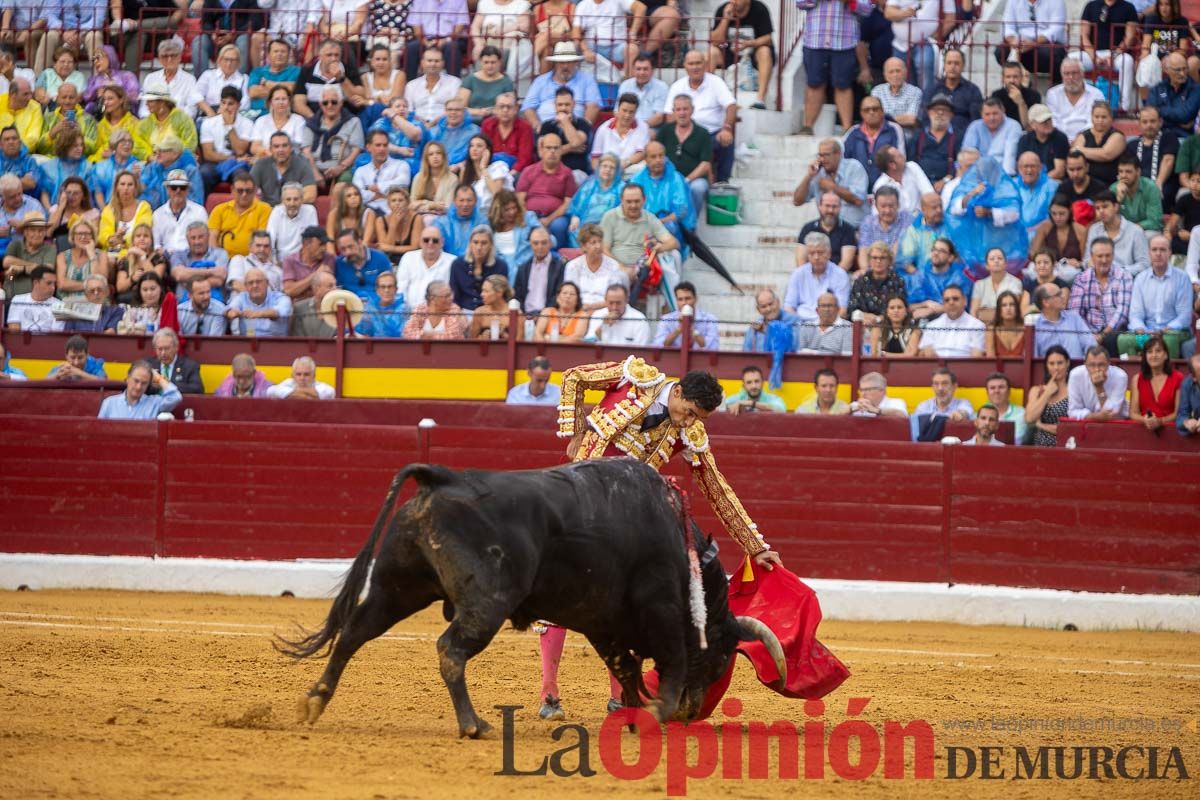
x=466 y=637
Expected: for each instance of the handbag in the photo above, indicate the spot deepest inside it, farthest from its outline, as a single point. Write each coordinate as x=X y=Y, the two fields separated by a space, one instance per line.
x=1150 y=70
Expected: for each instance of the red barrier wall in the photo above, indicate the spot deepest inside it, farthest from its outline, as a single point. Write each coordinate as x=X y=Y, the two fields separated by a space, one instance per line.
x=1124 y=435
x=1051 y=518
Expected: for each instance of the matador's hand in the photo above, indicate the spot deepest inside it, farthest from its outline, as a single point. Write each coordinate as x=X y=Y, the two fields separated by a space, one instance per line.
x=573 y=446
x=768 y=560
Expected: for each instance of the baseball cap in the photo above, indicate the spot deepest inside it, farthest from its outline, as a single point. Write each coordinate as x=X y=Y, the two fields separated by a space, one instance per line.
x=177 y=177
x=1040 y=112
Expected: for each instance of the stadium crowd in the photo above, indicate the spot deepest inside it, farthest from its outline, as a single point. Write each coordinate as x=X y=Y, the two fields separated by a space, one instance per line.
x=377 y=153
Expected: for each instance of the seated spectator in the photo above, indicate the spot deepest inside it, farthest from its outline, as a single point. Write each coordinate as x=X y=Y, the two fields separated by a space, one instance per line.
x=825 y=400
x=512 y=226
x=865 y=140
x=1080 y=185
x=211 y=85
x=16 y=161
x=994 y=134
x=831 y=171
x=509 y=134
x=458 y=225
x=200 y=314
x=245 y=379
x=79 y=366
x=428 y=94
x=141 y=257
x=1177 y=96
x=537 y=391
x=7 y=371
x=1187 y=419
x=1140 y=198
x=15 y=209
x=260 y=310
x=439 y=28
x=358 y=266
x=430 y=262
x=943 y=405
x=68 y=114
x=1102 y=293
x=1062 y=238
x=1017 y=98
x=1106 y=43
x=945 y=269
x=565 y=320
x=337 y=139
x=326 y=72
x=984 y=212
x=594 y=271
x=987 y=422
x=812 y=279
x=171 y=220
x=1071 y=101
x=289 y=219
x=744 y=25
x=481 y=89
x=1043 y=275
x=201 y=260
x=79 y=261
x=999 y=392
x=62 y=66
x=886 y=226
x=540 y=104
x=1155 y=152
x=1096 y=390
x=547 y=189
x=873 y=400
x=303 y=385
x=986 y=292
x=1046 y=404
x=896 y=334
x=260 y=258
x=1036 y=35
x=870 y=291
x=233 y=222
x=178 y=370
x=667 y=194
x=704 y=325
x=1155 y=395
x=955 y=334
x=901 y=100
x=123 y=213
x=438 y=317
x=622 y=136
x=490 y=318
x=630 y=230
x=349 y=212
x=1101 y=144
x=773 y=322
x=277 y=72
x=470 y=271
x=1035 y=190
x=34 y=311
x=618 y=323
x=306 y=314
x=714 y=109
x=829 y=333
x=484 y=172
x=539 y=278
x=398 y=231
x=278 y=118
x=169 y=156
x=95 y=290
x=689 y=147
x=164 y=119
x=382 y=83
x=405 y=134
x=284 y=166
x=69 y=162
x=1045 y=141
x=753 y=398
x=574 y=134
x=26 y=253
x=454 y=131
x=19 y=110
x=381 y=174
x=434 y=185
x=232 y=21
x=935 y=147
x=843 y=240
x=595 y=197
x=135 y=402
x=964 y=96
x=225 y=139
x=1161 y=304
x=385 y=316
x=119 y=144
x=107 y=72
x=300 y=267
x=73 y=204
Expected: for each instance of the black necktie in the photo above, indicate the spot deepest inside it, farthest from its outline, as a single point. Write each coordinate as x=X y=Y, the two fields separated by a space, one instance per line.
x=652 y=421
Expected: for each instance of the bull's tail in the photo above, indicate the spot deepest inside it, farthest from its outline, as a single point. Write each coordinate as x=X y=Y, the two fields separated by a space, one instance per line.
x=352 y=585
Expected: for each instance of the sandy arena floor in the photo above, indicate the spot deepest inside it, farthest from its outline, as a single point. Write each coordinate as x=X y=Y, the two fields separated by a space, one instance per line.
x=125 y=695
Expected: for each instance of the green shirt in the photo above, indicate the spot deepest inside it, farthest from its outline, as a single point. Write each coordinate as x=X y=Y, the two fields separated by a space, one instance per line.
x=1144 y=207
x=691 y=152
x=627 y=240
x=45 y=255
x=484 y=93
x=809 y=406
x=765 y=399
x=1188 y=157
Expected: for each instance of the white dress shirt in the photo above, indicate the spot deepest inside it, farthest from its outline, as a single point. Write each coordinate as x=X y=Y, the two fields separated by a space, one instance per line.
x=631 y=329
x=182 y=88
x=1072 y=120
x=283 y=390
x=430 y=104
x=709 y=101
x=170 y=232
x=954 y=338
x=285 y=231
x=915 y=184
x=391 y=173
x=1083 y=400
x=413 y=275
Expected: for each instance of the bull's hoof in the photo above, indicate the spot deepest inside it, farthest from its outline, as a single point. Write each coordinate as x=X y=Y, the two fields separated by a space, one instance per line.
x=658 y=710
x=478 y=730
x=311 y=708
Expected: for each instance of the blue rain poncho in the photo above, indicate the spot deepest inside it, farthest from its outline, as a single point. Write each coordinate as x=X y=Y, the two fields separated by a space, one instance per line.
x=973 y=235
x=669 y=194
x=592 y=200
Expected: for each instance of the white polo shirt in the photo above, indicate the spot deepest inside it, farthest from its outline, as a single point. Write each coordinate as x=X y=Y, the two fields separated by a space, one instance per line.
x=709 y=101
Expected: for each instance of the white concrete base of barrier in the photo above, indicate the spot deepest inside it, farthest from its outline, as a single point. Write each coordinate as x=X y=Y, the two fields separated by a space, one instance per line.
x=846 y=600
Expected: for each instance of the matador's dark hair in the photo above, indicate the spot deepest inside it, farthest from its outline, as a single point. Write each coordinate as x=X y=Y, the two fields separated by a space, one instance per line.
x=702 y=389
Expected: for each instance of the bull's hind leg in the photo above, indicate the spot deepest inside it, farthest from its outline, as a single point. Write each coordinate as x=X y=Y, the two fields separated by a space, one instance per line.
x=371 y=619
x=470 y=632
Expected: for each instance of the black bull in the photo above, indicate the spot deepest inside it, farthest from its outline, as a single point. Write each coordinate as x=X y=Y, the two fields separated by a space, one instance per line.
x=596 y=547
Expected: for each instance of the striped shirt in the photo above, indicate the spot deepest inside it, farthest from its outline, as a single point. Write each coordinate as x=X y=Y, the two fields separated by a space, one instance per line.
x=831 y=25
x=1101 y=308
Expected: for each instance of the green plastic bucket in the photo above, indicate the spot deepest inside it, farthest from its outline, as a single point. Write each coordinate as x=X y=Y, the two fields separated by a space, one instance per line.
x=724 y=205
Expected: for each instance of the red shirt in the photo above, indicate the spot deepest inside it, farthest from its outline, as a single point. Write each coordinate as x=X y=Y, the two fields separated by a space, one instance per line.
x=1164 y=404
x=545 y=192
x=518 y=144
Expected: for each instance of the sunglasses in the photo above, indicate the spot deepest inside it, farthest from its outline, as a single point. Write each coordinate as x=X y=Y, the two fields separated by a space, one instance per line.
x=244 y=191
x=177 y=188
x=431 y=241
x=331 y=102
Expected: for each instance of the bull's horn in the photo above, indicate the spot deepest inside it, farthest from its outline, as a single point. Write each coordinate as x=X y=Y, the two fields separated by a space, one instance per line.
x=757 y=629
